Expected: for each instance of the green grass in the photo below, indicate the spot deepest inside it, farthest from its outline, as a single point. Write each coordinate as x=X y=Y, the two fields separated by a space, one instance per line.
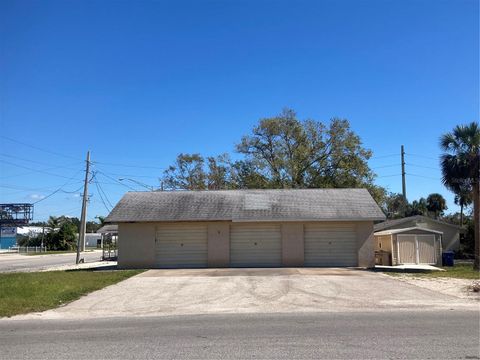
x=459 y=271
x=22 y=293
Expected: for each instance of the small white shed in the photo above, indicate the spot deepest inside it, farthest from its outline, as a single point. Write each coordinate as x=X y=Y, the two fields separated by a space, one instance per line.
x=415 y=245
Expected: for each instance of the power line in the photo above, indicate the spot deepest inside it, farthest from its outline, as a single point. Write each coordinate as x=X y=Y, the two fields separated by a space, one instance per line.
x=46 y=172
x=383 y=156
x=130 y=166
x=423 y=176
x=22 y=188
x=384 y=166
x=423 y=166
x=101 y=197
x=59 y=189
x=423 y=156
x=33 y=161
x=105 y=195
x=119 y=182
x=132 y=175
x=384 y=176
x=38 y=148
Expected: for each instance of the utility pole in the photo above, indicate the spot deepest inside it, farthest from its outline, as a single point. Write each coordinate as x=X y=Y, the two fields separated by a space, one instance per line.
x=404 y=186
x=83 y=220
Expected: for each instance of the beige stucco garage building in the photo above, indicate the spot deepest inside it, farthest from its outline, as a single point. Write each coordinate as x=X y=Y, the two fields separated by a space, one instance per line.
x=246 y=228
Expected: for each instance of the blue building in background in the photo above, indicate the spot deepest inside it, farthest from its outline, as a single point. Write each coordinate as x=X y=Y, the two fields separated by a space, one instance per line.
x=8 y=237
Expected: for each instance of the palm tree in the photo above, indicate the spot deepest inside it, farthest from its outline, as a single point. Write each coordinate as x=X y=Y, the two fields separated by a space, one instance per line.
x=463 y=199
x=461 y=169
x=436 y=204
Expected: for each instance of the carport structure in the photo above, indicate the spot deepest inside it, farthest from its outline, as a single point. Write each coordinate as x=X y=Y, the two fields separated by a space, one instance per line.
x=246 y=228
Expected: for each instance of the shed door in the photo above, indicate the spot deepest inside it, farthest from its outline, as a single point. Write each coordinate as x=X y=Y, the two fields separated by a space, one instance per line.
x=330 y=244
x=407 y=253
x=181 y=246
x=426 y=249
x=255 y=245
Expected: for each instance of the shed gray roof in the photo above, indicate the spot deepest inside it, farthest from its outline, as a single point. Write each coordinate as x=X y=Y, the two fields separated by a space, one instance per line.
x=416 y=218
x=402 y=230
x=109 y=228
x=247 y=205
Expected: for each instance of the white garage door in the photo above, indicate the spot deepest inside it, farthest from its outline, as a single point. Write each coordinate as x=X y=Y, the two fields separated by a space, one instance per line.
x=426 y=249
x=407 y=249
x=330 y=244
x=255 y=245
x=416 y=249
x=181 y=246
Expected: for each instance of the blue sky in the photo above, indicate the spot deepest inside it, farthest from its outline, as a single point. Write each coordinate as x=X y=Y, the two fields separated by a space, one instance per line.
x=138 y=82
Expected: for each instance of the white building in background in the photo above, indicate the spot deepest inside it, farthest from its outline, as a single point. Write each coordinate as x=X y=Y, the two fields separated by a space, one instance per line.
x=93 y=239
x=31 y=231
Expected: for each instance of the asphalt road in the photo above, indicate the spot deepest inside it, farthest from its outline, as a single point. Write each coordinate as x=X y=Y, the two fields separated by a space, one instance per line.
x=381 y=335
x=16 y=262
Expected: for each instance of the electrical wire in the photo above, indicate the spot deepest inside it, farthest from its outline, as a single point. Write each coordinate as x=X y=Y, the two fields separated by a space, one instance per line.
x=105 y=195
x=38 y=148
x=59 y=189
x=130 y=166
x=111 y=178
x=422 y=156
x=422 y=166
x=46 y=172
x=383 y=156
x=101 y=197
x=384 y=176
x=423 y=176
x=385 y=166
x=35 y=161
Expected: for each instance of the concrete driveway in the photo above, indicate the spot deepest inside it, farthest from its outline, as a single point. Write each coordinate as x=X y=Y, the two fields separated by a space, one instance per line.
x=236 y=291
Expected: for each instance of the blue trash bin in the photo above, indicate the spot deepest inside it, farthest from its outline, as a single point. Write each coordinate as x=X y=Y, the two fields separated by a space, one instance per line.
x=447 y=258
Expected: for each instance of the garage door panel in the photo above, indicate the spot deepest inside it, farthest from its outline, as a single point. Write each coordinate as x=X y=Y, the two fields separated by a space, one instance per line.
x=330 y=245
x=255 y=245
x=181 y=245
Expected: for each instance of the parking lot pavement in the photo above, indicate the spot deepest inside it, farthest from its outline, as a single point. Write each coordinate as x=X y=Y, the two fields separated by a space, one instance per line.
x=19 y=262
x=237 y=291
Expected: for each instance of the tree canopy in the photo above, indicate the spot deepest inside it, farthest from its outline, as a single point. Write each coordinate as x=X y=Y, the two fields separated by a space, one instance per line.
x=282 y=152
x=461 y=170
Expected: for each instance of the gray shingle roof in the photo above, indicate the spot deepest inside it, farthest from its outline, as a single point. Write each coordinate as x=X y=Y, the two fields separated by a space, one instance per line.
x=247 y=205
x=416 y=218
x=109 y=228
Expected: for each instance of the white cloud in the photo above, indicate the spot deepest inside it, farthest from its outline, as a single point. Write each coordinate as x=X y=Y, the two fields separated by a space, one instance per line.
x=36 y=196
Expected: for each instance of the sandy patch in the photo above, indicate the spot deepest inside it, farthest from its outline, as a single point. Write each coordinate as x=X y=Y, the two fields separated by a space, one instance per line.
x=447 y=286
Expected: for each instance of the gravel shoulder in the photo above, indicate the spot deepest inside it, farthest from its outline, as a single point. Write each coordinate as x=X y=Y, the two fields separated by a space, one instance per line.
x=448 y=286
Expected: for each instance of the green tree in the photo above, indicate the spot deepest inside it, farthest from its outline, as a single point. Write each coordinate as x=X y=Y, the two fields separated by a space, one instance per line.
x=61 y=233
x=463 y=199
x=218 y=175
x=436 y=204
x=283 y=152
x=302 y=154
x=461 y=169
x=188 y=173
x=396 y=206
x=246 y=175
x=417 y=207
